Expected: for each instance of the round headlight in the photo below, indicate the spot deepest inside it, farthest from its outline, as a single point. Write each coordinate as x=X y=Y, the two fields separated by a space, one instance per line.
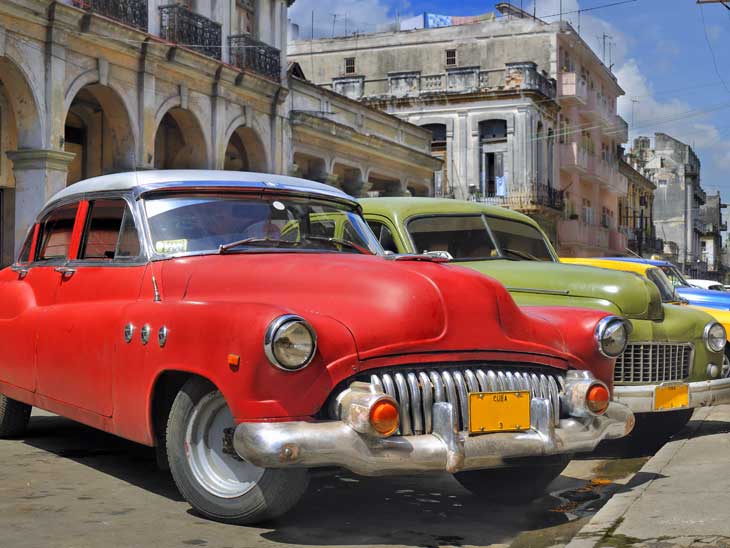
x=290 y=343
x=612 y=336
x=715 y=337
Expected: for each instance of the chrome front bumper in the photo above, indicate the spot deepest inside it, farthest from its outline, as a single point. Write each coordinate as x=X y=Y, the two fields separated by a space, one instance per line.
x=335 y=443
x=640 y=399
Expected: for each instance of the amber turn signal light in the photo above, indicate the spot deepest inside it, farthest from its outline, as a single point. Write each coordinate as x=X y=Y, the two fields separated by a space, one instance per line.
x=384 y=417
x=597 y=399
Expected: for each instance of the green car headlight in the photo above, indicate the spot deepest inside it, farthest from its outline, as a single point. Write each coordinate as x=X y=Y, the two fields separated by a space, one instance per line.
x=715 y=337
x=612 y=336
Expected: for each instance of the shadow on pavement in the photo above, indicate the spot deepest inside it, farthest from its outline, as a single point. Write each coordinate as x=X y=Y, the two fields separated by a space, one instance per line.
x=122 y=459
x=339 y=508
x=426 y=511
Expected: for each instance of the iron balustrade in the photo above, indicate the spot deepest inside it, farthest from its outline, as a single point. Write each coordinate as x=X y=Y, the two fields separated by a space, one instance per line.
x=247 y=53
x=180 y=25
x=129 y=12
x=549 y=197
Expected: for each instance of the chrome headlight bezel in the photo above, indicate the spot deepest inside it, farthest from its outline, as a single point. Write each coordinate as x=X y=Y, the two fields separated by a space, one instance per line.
x=276 y=330
x=606 y=327
x=709 y=337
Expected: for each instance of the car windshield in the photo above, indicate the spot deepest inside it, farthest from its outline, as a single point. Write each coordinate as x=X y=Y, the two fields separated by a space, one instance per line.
x=666 y=289
x=196 y=223
x=675 y=276
x=478 y=237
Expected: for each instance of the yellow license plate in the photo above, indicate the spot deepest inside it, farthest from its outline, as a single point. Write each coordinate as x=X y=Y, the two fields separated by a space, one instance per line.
x=675 y=396
x=499 y=412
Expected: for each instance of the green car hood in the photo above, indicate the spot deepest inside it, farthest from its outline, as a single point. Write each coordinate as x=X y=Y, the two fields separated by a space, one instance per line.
x=543 y=283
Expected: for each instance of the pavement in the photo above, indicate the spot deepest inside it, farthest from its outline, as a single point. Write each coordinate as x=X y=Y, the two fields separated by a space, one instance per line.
x=63 y=485
x=680 y=497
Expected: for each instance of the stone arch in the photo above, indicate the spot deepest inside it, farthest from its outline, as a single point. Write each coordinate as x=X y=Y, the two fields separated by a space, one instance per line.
x=99 y=130
x=245 y=151
x=384 y=184
x=180 y=141
x=349 y=177
x=311 y=166
x=23 y=103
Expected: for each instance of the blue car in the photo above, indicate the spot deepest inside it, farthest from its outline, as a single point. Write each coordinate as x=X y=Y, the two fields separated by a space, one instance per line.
x=695 y=295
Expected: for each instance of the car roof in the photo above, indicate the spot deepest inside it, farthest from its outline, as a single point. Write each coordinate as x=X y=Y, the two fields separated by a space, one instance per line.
x=408 y=207
x=613 y=264
x=143 y=181
x=653 y=262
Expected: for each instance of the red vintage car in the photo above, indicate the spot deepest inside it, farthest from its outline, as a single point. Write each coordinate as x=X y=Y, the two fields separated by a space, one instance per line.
x=250 y=328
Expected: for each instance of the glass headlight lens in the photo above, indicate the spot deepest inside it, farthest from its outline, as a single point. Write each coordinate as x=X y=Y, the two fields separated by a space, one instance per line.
x=290 y=343
x=612 y=335
x=715 y=337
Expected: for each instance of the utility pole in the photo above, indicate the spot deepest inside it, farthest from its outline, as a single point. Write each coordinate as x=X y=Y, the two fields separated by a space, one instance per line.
x=605 y=36
x=634 y=100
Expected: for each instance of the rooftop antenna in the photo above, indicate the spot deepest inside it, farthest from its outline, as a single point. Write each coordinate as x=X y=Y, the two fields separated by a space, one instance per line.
x=605 y=36
x=634 y=101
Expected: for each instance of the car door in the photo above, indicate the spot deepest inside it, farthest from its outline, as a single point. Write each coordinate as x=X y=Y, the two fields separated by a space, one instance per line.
x=27 y=291
x=101 y=280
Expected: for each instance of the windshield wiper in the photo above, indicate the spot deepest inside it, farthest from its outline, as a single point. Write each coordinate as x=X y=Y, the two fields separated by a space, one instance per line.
x=522 y=254
x=223 y=249
x=339 y=241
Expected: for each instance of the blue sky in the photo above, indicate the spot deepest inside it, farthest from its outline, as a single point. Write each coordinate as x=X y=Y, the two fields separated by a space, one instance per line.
x=661 y=57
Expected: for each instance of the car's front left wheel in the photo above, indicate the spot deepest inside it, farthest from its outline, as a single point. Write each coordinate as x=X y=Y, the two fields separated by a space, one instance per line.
x=216 y=482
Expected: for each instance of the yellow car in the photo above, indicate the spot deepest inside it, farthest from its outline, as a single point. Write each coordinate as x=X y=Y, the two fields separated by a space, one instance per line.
x=669 y=296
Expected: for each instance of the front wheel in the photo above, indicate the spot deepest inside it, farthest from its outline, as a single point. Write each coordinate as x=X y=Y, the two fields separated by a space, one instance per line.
x=516 y=484
x=215 y=482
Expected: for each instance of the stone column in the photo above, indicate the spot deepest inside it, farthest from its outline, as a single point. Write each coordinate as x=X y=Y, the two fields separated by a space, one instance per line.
x=354 y=185
x=39 y=174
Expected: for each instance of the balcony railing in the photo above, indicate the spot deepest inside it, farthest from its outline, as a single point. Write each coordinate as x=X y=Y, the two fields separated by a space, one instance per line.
x=250 y=54
x=180 y=25
x=526 y=200
x=129 y=12
x=573 y=87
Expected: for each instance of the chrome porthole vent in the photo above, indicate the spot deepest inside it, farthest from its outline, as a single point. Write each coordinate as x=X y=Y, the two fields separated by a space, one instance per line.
x=128 y=333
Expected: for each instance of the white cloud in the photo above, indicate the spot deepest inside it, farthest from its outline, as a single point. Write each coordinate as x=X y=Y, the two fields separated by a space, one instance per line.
x=351 y=16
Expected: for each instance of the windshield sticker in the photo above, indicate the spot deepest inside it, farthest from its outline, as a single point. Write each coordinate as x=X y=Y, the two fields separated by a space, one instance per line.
x=171 y=246
x=278 y=205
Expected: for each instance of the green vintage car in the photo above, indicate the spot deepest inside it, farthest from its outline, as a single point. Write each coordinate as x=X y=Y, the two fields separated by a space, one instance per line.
x=670 y=363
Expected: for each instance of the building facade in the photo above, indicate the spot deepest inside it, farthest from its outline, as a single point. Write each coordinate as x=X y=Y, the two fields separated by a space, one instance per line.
x=675 y=170
x=91 y=87
x=521 y=111
x=711 y=245
x=636 y=212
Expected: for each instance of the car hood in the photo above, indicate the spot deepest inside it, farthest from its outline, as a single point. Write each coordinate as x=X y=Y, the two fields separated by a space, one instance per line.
x=389 y=307
x=705 y=297
x=634 y=296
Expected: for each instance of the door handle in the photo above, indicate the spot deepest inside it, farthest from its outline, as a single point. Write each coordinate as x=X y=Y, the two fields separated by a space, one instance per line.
x=65 y=271
x=22 y=271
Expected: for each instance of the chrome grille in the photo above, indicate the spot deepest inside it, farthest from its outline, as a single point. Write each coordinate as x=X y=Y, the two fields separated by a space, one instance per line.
x=654 y=362
x=417 y=391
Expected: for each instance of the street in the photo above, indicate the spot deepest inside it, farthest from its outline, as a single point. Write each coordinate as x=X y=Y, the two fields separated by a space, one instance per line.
x=88 y=489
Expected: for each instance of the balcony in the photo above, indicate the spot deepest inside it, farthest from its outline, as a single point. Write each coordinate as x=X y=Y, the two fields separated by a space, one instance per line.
x=248 y=53
x=181 y=26
x=573 y=89
x=132 y=13
x=576 y=233
x=517 y=77
x=616 y=127
x=573 y=157
x=528 y=200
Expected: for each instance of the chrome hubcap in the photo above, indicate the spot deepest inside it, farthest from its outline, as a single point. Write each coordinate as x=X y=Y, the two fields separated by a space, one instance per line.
x=218 y=472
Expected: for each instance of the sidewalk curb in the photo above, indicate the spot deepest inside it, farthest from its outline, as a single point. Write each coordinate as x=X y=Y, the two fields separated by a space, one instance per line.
x=608 y=518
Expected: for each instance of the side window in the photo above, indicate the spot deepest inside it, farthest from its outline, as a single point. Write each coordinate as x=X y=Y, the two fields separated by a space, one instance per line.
x=110 y=232
x=56 y=230
x=384 y=236
x=25 y=251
